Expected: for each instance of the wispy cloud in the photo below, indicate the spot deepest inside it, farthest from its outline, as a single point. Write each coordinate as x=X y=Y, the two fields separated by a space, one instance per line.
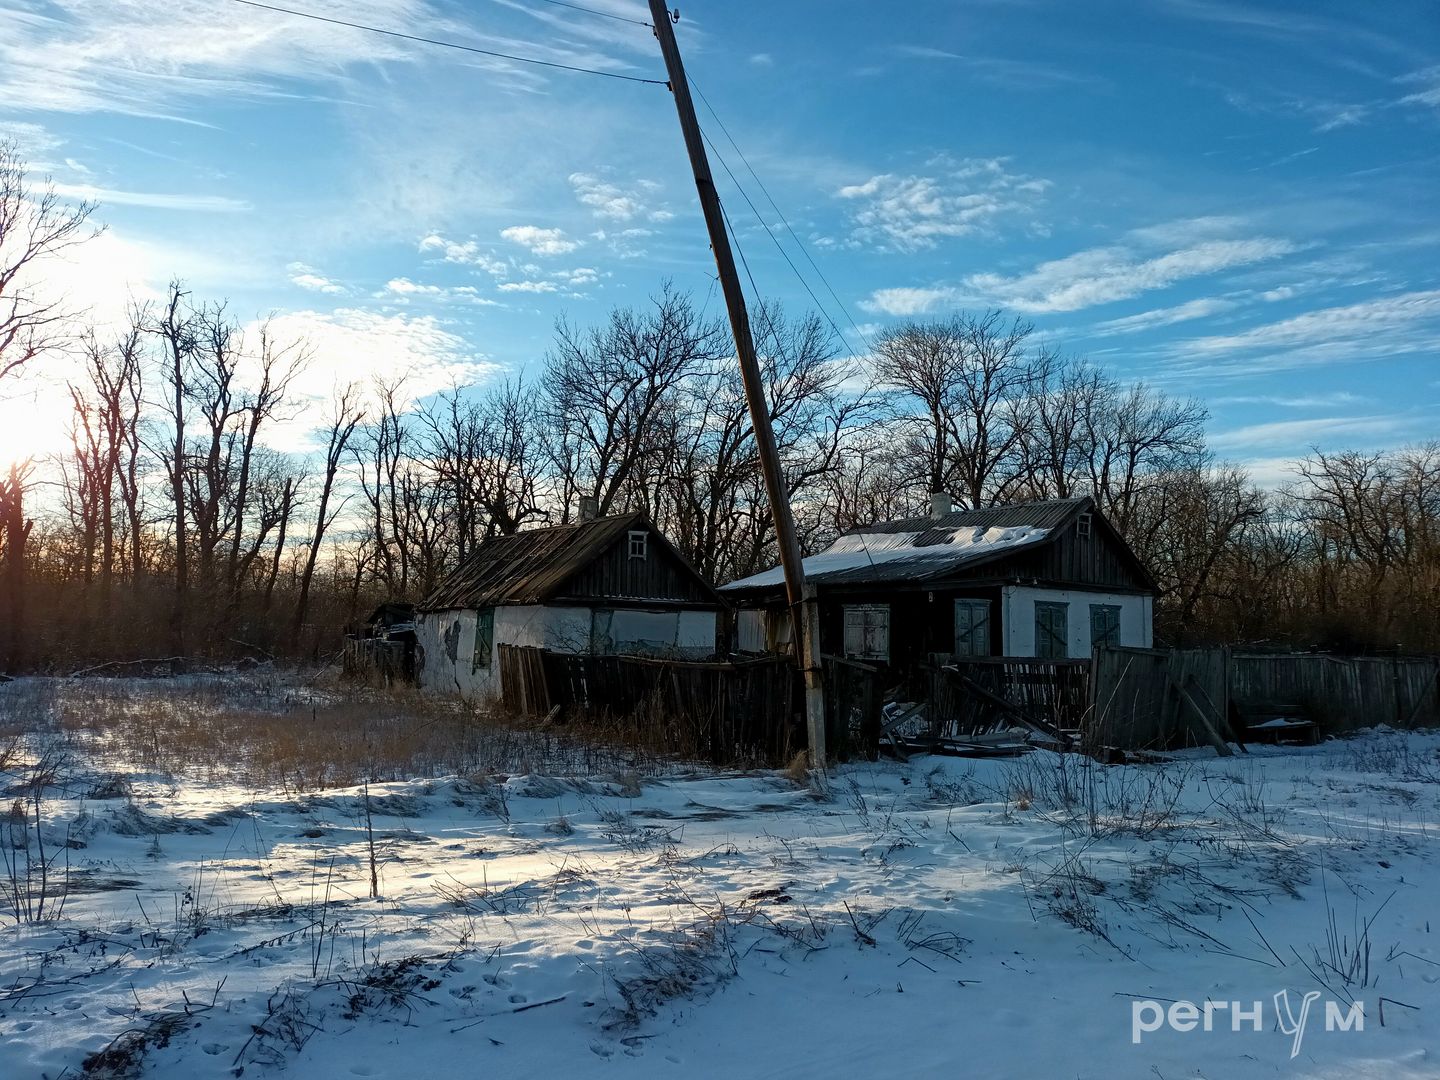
x=1383 y=327
x=1101 y=275
x=1302 y=401
x=1311 y=431
x=912 y=213
x=1149 y=320
x=1003 y=71
x=214 y=204
x=540 y=241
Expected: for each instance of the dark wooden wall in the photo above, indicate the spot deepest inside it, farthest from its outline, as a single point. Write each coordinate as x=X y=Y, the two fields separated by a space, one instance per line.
x=1100 y=560
x=658 y=576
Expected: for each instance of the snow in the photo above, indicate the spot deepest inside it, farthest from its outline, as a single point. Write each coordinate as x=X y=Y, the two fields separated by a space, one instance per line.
x=858 y=550
x=943 y=916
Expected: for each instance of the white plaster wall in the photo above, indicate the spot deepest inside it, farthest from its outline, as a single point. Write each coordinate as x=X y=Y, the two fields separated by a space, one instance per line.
x=562 y=629
x=1018 y=615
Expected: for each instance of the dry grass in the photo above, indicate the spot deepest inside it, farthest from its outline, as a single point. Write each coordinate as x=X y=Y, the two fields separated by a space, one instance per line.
x=277 y=730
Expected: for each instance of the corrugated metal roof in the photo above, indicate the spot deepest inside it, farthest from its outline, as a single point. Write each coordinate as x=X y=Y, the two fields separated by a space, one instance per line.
x=932 y=548
x=1041 y=514
x=528 y=567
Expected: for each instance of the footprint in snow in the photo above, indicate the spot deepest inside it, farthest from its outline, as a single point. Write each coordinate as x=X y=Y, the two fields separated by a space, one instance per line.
x=214 y=1049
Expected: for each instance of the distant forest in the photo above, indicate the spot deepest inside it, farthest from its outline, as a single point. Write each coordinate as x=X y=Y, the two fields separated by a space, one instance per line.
x=172 y=527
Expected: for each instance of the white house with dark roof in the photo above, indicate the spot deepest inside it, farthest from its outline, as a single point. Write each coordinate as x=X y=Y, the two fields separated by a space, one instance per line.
x=609 y=585
x=1047 y=579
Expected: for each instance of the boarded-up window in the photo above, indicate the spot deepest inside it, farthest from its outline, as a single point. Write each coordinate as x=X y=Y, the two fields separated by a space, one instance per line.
x=1104 y=625
x=972 y=627
x=867 y=631
x=1052 y=629
x=484 y=638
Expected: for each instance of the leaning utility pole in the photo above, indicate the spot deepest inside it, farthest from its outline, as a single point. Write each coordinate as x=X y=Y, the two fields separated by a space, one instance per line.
x=805 y=621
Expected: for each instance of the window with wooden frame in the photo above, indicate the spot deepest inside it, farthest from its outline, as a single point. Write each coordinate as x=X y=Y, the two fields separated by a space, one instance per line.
x=867 y=631
x=1104 y=625
x=484 y=638
x=639 y=543
x=1084 y=526
x=972 y=627
x=1052 y=630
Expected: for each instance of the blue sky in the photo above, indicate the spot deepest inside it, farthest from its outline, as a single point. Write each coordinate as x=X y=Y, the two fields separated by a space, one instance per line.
x=1232 y=201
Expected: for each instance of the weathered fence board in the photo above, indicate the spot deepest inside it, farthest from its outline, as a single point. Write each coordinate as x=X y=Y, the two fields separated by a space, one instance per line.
x=1135 y=692
x=722 y=712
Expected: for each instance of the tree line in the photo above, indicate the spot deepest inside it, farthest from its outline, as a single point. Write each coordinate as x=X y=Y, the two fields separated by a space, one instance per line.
x=172 y=525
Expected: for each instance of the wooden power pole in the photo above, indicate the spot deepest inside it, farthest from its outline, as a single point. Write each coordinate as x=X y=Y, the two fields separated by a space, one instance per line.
x=804 y=615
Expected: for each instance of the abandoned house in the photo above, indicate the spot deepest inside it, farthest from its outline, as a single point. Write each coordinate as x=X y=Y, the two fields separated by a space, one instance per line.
x=1045 y=579
x=603 y=585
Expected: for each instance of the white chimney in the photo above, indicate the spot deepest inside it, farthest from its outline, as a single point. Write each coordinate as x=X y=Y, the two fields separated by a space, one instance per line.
x=589 y=508
x=939 y=504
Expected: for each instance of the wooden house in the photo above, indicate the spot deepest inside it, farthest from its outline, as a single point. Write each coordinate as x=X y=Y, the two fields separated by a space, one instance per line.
x=607 y=585
x=1045 y=579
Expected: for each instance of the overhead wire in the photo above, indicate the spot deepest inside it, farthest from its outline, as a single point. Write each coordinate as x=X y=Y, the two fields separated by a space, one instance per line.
x=451 y=44
x=596 y=11
x=773 y=238
x=864 y=338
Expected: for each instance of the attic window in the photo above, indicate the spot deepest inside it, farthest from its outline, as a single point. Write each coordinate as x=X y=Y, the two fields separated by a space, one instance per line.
x=639 y=543
x=1083 y=525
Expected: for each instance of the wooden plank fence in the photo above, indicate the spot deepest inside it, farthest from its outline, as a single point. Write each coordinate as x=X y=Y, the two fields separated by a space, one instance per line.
x=1136 y=702
x=1055 y=693
x=726 y=713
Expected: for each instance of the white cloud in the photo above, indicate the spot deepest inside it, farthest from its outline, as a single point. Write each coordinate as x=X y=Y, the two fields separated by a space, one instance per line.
x=913 y=213
x=158 y=59
x=761 y=59
x=355 y=345
x=1103 y=275
x=1388 y=326
x=1302 y=434
x=1138 y=264
x=540 y=241
x=1169 y=316
x=218 y=204
x=404 y=288
x=306 y=277
x=612 y=202
x=465 y=253
x=908 y=301
x=1429 y=92
x=529 y=286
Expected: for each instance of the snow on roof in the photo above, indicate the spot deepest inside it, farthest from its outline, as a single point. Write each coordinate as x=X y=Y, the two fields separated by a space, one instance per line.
x=900 y=556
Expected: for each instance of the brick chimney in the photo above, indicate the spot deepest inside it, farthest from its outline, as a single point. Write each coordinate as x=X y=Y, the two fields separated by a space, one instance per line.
x=939 y=504
x=589 y=508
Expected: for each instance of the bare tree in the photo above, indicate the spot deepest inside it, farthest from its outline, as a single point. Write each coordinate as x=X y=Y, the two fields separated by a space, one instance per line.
x=346 y=416
x=34 y=226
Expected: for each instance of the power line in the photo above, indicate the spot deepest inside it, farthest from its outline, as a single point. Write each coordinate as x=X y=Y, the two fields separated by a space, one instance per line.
x=775 y=240
x=594 y=11
x=769 y=198
x=449 y=44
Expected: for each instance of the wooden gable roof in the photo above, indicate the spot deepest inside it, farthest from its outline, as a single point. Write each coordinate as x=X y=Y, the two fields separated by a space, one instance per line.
x=534 y=566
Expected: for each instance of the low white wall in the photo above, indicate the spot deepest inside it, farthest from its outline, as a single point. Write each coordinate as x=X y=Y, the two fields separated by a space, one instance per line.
x=1018 y=616
x=447 y=639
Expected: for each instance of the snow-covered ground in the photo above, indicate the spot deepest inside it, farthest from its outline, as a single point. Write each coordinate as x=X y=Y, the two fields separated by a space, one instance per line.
x=941 y=917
